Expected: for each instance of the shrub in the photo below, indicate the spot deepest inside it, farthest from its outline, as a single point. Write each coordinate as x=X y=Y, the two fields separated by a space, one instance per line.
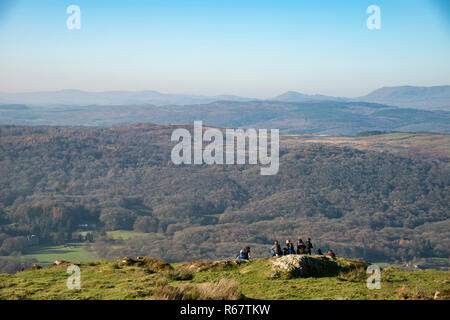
x=406 y=293
x=177 y=275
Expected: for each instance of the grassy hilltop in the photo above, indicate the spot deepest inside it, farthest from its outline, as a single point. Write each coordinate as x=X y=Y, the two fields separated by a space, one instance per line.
x=289 y=277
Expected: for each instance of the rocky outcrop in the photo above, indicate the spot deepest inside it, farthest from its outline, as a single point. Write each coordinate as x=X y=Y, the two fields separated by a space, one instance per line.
x=35 y=266
x=151 y=264
x=60 y=263
x=203 y=265
x=312 y=266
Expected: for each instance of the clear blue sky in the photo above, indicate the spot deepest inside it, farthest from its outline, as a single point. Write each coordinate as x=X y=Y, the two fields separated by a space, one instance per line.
x=250 y=48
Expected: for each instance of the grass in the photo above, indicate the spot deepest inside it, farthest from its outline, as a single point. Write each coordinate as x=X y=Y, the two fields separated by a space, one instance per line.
x=46 y=255
x=250 y=280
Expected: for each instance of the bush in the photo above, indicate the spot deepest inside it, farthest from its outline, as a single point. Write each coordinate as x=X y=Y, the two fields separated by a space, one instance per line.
x=177 y=275
x=405 y=293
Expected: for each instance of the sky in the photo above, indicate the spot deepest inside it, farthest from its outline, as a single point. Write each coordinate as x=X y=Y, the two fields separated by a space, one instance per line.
x=249 y=48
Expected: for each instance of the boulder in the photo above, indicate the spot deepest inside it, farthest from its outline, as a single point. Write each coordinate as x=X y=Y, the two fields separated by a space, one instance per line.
x=35 y=266
x=437 y=295
x=297 y=265
x=127 y=261
x=60 y=263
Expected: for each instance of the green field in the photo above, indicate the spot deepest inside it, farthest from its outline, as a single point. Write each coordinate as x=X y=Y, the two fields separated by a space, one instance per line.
x=117 y=234
x=153 y=279
x=46 y=255
x=125 y=234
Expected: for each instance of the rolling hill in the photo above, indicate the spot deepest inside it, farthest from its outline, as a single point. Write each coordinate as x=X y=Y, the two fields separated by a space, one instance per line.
x=411 y=97
x=434 y=97
x=317 y=117
x=83 y=98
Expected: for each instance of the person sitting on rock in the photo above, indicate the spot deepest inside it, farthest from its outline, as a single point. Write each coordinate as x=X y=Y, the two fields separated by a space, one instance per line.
x=286 y=248
x=331 y=254
x=319 y=252
x=309 y=246
x=244 y=254
x=301 y=247
x=276 y=250
x=289 y=248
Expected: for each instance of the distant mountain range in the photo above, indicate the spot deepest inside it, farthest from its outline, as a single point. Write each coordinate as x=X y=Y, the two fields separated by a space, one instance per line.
x=436 y=97
x=293 y=96
x=83 y=98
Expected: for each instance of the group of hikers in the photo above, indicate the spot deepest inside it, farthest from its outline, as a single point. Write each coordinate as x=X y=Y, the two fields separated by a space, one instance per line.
x=276 y=251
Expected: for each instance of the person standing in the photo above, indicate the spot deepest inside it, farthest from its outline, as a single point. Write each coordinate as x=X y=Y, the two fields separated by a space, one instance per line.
x=309 y=246
x=289 y=248
x=301 y=247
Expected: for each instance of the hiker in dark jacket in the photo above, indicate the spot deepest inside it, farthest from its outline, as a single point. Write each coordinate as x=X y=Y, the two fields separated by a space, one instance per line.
x=289 y=248
x=244 y=254
x=309 y=246
x=276 y=250
x=286 y=248
x=301 y=247
x=319 y=252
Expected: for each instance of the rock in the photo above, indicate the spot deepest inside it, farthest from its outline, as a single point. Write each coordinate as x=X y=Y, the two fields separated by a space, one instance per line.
x=59 y=262
x=196 y=266
x=437 y=295
x=151 y=264
x=296 y=265
x=127 y=261
x=155 y=265
x=35 y=266
x=218 y=265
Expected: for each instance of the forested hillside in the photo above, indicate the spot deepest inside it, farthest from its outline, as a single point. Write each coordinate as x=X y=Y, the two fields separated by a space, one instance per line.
x=58 y=181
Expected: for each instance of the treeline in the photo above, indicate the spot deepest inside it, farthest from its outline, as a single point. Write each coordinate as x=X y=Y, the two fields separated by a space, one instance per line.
x=55 y=181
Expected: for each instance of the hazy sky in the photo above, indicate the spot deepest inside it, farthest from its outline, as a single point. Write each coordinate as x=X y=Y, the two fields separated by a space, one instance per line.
x=251 y=48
